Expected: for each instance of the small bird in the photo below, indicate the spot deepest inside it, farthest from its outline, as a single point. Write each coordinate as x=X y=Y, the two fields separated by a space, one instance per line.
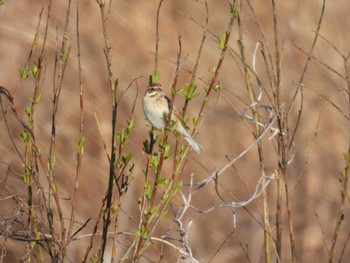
x=156 y=106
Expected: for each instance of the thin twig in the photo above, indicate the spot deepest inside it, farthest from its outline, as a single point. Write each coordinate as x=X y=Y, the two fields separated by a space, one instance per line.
x=80 y=141
x=156 y=54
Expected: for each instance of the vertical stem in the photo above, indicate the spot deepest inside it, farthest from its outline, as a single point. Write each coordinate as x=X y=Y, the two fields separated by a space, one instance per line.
x=31 y=168
x=107 y=212
x=267 y=235
x=143 y=208
x=279 y=215
x=156 y=54
x=281 y=139
x=113 y=86
x=344 y=178
x=256 y=134
x=80 y=142
x=347 y=78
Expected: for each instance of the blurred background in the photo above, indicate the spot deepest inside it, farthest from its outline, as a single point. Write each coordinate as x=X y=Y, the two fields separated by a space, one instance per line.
x=322 y=136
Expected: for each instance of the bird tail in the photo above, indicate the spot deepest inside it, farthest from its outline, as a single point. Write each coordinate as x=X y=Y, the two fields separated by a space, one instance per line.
x=194 y=144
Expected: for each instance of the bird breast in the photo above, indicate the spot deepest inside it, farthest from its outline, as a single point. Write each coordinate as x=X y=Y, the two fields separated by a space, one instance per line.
x=154 y=108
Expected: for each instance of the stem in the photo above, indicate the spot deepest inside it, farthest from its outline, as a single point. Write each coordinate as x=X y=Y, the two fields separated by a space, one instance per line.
x=281 y=139
x=80 y=150
x=256 y=134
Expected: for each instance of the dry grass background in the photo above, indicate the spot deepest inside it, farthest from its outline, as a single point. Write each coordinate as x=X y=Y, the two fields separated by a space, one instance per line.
x=322 y=137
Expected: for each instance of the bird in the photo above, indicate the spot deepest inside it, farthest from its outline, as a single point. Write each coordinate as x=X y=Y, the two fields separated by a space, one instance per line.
x=156 y=106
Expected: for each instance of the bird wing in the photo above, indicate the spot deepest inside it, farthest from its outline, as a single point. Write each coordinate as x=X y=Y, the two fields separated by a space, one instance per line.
x=175 y=113
x=179 y=117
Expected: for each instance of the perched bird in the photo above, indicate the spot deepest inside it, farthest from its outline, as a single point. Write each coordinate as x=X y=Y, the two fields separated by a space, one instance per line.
x=156 y=106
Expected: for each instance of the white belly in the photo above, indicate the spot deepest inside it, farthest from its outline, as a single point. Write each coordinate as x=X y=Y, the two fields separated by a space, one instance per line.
x=155 y=115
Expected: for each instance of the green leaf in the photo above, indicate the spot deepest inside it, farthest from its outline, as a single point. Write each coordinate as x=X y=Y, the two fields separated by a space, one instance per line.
x=139 y=203
x=146 y=246
x=136 y=234
x=144 y=214
x=146 y=146
x=153 y=79
x=24 y=136
x=160 y=180
x=114 y=209
x=27 y=170
x=64 y=56
x=154 y=210
x=194 y=121
x=222 y=40
x=144 y=232
x=177 y=188
x=175 y=91
x=80 y=144
x=35 y=69
x=171 y=126
x=346 y=156
x=37 y=98
x=66 y=36
x=343 y=175
x=25 y=178
x=186 y=118
x=154 y=161
x=23 y=72
x=126 y=158
x=217 y=87
x=190 y=91
x=240 y=45
x=181 y=149
x=148 y=192
x=165 y=149
x=131 y=125
x=213 y=70
x=28 y=111
x=94 y=259
x=121 y=136
x=36 y=41
x=194 y=95
x=2 y=2
x=234 y=12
